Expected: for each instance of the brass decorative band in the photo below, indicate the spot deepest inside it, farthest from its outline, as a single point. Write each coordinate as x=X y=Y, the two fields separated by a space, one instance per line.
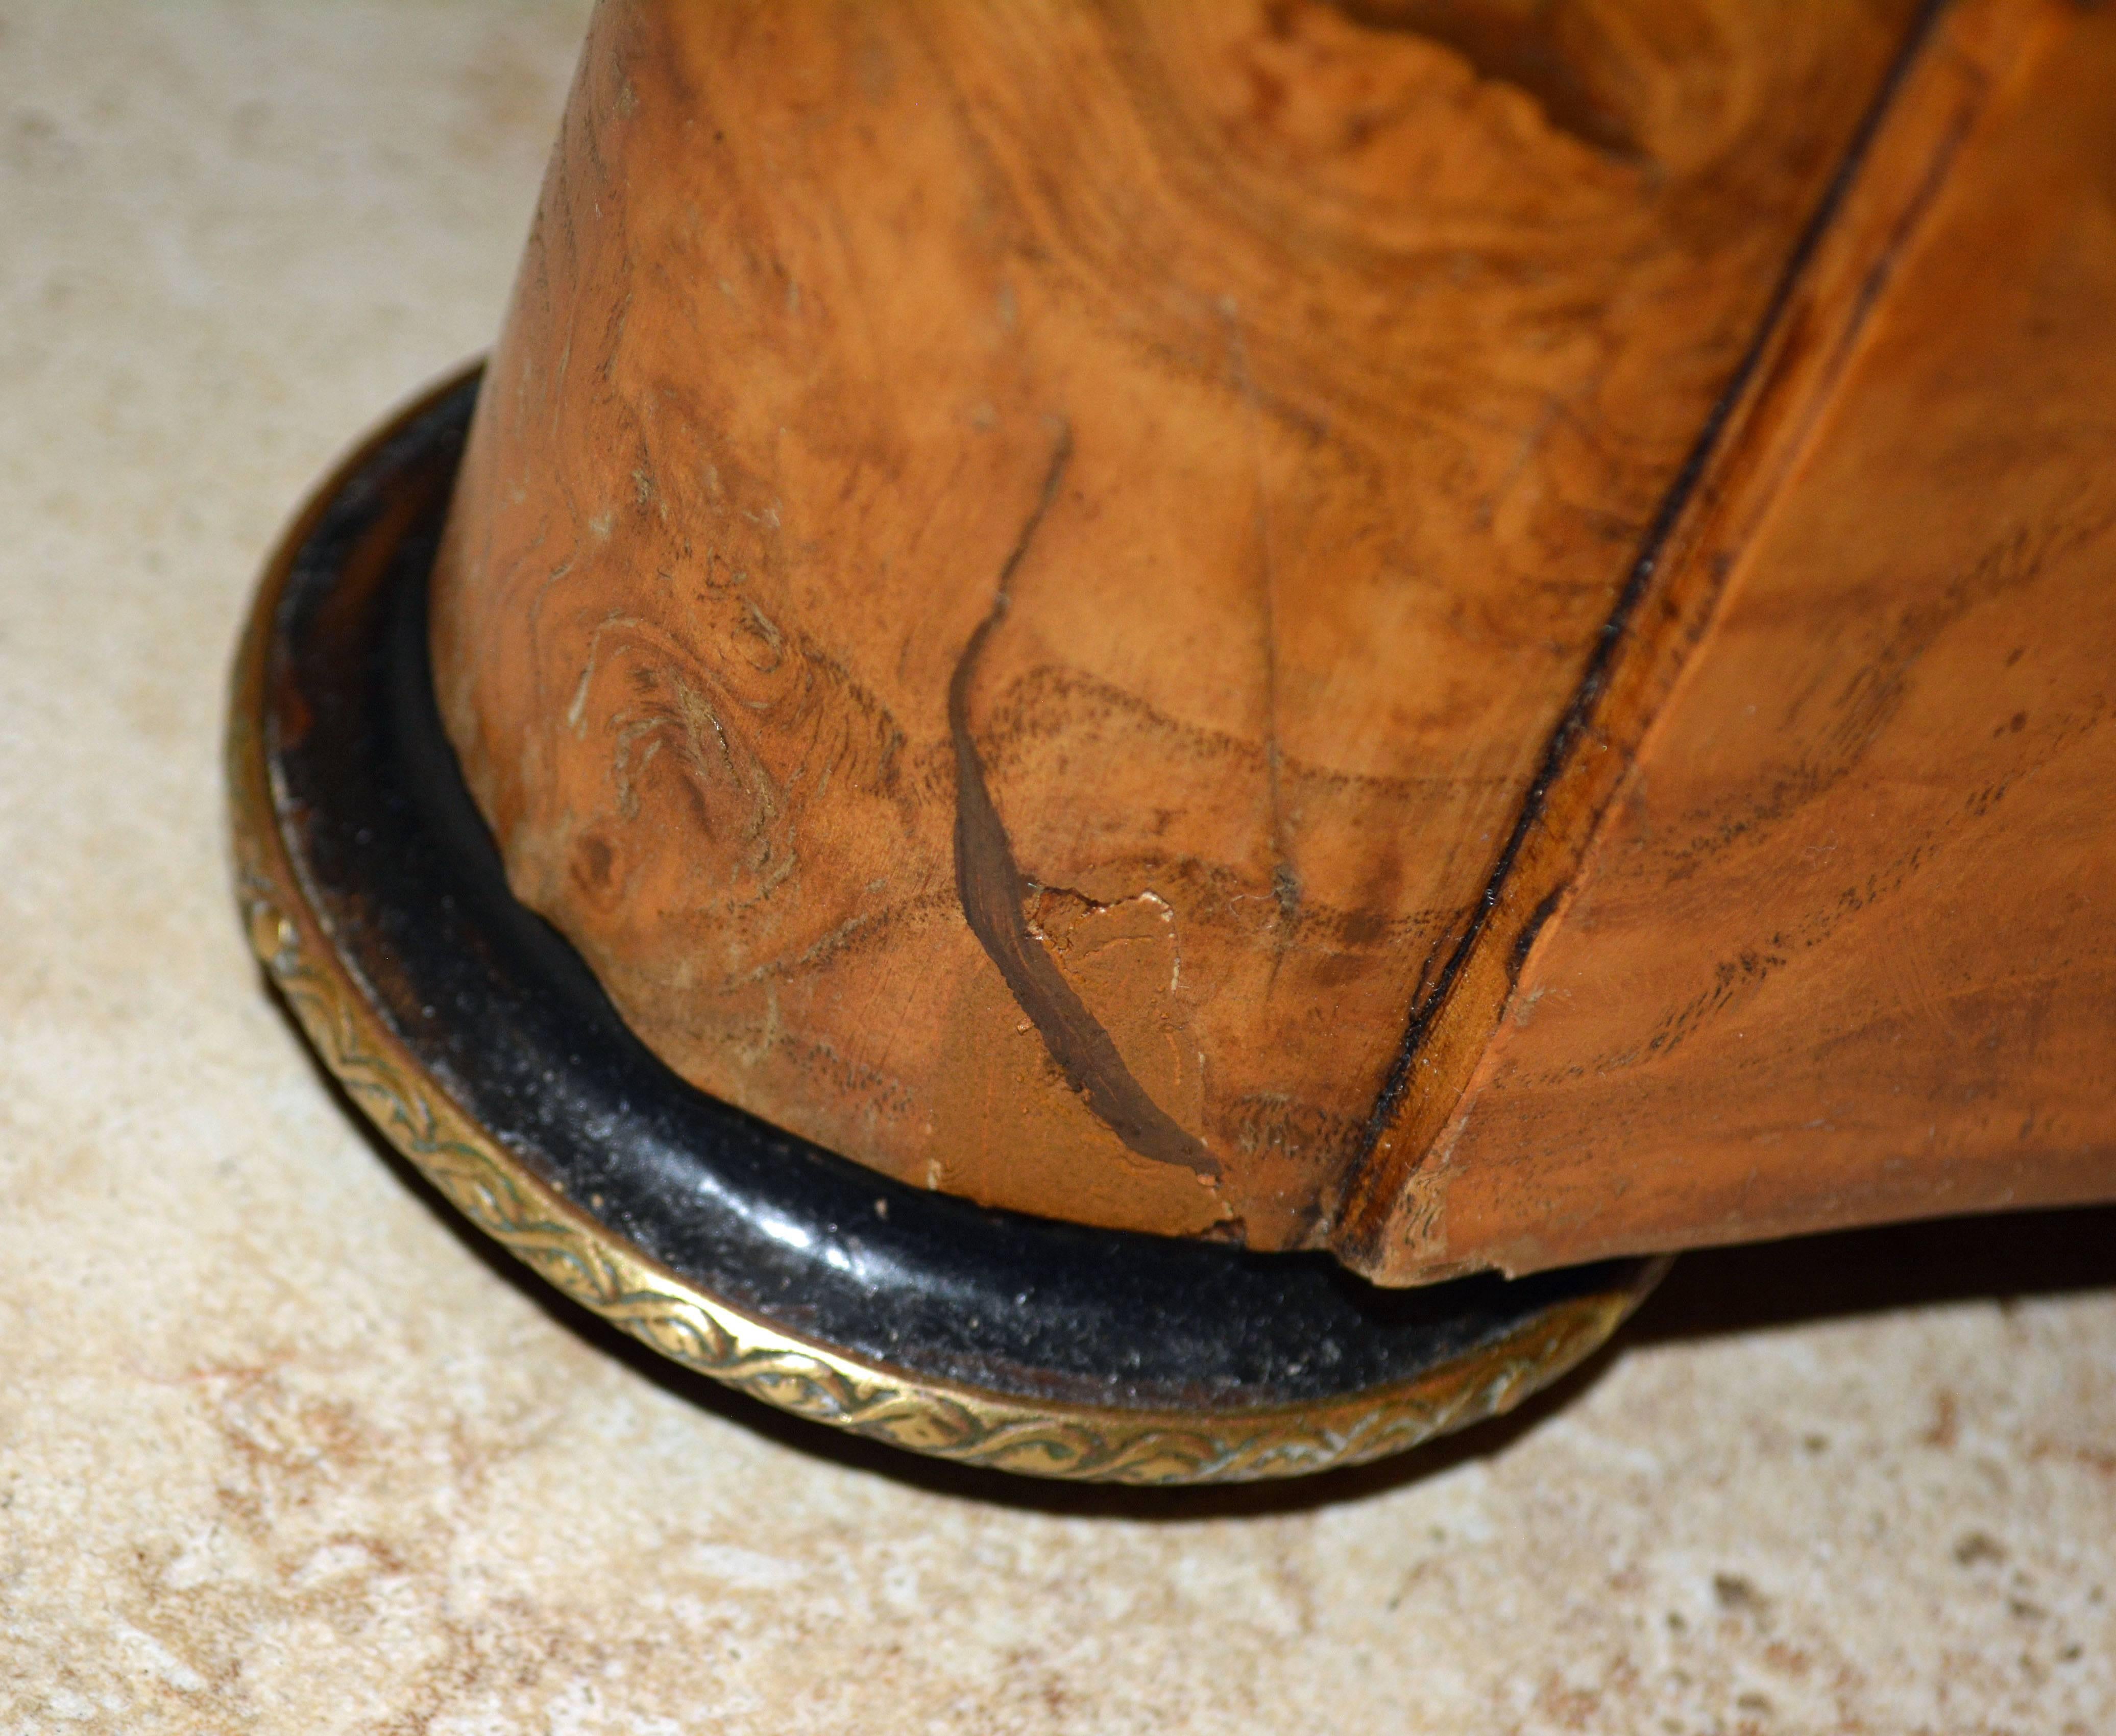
x=598 y=1269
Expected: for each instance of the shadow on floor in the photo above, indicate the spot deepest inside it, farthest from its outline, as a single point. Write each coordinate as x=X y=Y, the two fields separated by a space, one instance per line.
x=1717 y=1292
x=2000 y=1258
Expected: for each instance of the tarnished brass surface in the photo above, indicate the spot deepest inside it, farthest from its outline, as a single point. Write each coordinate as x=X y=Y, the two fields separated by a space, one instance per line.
x=566 y=1245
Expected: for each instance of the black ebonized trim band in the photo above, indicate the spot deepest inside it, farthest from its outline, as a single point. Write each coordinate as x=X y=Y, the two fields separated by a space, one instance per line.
x=501 y=1011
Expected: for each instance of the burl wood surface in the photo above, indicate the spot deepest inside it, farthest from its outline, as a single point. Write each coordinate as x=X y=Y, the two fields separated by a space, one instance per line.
x=1018 y=564
x=1842 y=950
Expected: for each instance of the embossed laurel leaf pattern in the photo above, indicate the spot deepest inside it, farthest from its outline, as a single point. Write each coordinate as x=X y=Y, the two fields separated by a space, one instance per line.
x=496 y=1192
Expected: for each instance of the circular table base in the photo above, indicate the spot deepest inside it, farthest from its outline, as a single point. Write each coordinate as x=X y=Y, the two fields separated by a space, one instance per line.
x=481 y=1045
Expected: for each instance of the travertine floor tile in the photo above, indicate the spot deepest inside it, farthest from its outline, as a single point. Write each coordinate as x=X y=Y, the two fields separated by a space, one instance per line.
x=278 y=1452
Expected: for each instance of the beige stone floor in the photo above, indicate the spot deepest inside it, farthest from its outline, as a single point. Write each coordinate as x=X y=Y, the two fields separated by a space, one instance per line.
x=280 y=1451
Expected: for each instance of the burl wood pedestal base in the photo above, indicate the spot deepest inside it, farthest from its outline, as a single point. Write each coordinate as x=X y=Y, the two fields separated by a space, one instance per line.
x=484 y=1049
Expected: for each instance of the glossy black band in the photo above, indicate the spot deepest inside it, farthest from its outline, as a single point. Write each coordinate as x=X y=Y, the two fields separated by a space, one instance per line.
x=497 y=1007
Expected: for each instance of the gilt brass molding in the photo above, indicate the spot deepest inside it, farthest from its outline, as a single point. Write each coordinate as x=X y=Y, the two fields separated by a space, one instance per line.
x=564 y=1243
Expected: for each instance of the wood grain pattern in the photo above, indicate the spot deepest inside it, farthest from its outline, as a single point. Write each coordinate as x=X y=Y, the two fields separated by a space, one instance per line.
x=1092 y=867
x=1840 y=951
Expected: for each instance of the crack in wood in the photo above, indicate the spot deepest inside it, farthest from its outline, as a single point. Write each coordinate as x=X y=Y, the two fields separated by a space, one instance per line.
x=989 y=883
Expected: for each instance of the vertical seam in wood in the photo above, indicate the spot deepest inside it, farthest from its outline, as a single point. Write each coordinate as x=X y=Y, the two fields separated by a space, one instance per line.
x=1371 y=1184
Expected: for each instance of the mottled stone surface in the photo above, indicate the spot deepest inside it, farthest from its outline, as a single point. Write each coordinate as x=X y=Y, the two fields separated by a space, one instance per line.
x=279 y=1452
